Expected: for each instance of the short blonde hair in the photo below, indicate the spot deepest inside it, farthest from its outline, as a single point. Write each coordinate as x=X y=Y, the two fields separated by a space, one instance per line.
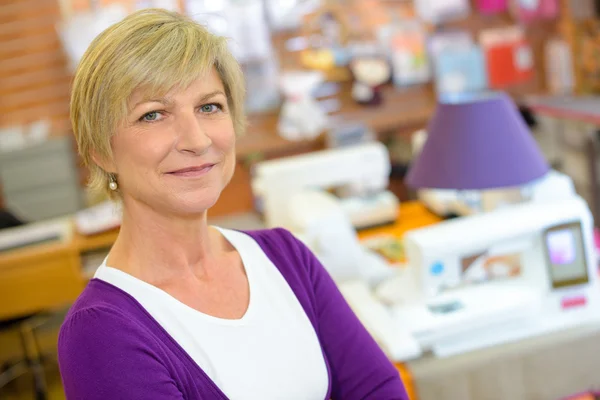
x=153 y=50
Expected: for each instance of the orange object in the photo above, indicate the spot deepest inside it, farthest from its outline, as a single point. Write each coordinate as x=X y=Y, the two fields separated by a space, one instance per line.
x=413 y=215
x=408 y=381
x=583 y=396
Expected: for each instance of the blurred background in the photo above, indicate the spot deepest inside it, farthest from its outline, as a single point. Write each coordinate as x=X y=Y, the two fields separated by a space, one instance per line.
x=365 y=71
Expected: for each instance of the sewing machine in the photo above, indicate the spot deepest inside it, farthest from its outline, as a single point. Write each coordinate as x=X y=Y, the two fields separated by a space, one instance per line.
x=469 y=283
x=497 y=277
x=358 y=174
x=295 y=194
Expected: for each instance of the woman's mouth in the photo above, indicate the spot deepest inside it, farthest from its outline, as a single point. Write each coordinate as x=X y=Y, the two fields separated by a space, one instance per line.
x=194 y=171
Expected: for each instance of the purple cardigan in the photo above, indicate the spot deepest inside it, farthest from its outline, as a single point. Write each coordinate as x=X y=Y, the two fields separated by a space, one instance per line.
x=111 y=348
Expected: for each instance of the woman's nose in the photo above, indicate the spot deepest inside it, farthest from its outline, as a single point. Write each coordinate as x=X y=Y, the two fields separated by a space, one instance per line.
x=192 y=136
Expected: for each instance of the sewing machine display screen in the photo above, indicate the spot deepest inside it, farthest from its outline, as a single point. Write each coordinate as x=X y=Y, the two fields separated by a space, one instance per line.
x=566 y=255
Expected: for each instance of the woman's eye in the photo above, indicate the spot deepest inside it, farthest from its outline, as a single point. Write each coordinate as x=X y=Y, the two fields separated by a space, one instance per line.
x=210 y=108
x=151 y=116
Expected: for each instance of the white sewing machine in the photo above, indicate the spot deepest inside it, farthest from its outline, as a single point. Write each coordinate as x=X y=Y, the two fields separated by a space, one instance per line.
x=359 y=174
x=497 y=277
x=470 y=282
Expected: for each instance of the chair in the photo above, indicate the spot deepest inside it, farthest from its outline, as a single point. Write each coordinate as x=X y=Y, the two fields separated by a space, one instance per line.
x=32 y=355
x=35 y=281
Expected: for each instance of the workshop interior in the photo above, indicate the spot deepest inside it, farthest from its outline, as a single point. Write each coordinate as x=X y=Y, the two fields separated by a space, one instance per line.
x=439 y=157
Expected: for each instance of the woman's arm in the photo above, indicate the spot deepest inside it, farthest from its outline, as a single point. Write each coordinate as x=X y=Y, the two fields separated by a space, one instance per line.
x=101 y=357
x=360 y=369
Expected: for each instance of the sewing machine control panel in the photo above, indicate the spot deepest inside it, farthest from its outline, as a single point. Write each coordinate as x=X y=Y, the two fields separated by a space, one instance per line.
x=562 y=254
x=565 y=255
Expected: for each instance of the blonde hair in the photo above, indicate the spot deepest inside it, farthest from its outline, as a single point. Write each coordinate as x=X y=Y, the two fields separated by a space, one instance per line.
x=152 y=50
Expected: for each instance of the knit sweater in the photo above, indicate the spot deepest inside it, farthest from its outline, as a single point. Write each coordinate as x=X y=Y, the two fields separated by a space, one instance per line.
x=111 y=348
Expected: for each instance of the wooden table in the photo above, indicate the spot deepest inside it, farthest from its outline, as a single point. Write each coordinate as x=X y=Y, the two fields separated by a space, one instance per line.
x=46 y=276
x=39 y=278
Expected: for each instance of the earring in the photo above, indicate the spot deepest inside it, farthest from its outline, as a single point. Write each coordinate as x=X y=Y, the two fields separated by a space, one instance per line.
x=112 y=184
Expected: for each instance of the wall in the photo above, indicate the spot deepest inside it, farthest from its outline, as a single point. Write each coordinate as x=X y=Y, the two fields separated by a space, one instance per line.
x=34 y=79
x=35 y=82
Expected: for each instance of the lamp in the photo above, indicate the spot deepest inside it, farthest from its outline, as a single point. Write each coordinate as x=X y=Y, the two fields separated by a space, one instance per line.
x=477 y=141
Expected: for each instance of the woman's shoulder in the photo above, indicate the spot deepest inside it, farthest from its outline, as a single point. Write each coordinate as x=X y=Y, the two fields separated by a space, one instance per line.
x=102 y=310
x=109 y=348
x=103 y=298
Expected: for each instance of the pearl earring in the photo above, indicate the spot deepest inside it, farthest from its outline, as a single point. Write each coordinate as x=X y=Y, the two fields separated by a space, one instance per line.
x=112 y=184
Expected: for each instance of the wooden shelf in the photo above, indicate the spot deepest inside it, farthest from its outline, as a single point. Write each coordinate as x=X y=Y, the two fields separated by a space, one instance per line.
x=402 y=109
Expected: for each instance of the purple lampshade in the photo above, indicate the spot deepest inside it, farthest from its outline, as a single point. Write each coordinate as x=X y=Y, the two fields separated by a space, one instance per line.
x=477 y=141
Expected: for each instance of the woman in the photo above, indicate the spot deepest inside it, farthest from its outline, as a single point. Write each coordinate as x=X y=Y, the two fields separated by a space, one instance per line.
x=180 y=309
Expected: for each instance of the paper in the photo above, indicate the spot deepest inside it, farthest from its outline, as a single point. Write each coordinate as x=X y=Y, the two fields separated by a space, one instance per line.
x=436 y=11
x=460 y=70
x=559 y=67
x=56 y=230
x=449 y=40
x=171 y=5
x=287 y=14
x=212 y=15
x=243 y=23
x=408 y=52
x=250 y=37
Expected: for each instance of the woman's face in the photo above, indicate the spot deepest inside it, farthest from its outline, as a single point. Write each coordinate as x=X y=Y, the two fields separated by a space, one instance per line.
x=176 y=154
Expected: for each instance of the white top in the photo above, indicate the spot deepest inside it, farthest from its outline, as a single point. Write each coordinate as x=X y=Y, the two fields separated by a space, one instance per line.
x=272 y=352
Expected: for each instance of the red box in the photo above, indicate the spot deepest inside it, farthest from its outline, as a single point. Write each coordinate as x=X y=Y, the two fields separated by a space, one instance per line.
x=509 y=57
